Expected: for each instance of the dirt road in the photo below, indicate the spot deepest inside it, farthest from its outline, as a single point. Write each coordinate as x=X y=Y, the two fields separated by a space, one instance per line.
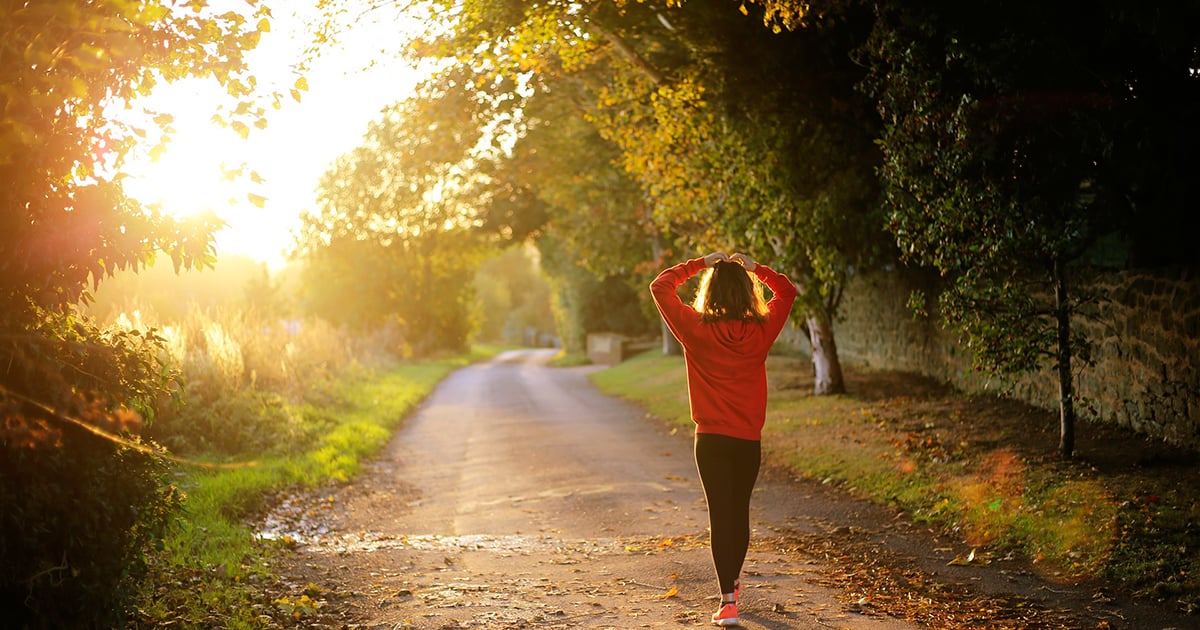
x=520 y=497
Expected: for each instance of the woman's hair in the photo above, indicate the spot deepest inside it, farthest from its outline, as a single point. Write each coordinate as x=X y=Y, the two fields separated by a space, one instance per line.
x=728 y=292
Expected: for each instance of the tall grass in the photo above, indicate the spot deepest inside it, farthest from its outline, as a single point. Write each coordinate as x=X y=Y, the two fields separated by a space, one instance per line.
x=248 y=383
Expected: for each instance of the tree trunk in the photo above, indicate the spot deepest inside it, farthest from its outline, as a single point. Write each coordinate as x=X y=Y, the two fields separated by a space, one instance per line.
x=825 y=360
x=670 y=344
x=1066 y=386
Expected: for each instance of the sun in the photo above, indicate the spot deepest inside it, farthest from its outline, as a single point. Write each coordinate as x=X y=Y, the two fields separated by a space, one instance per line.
x=189 y=177
x=205 y=167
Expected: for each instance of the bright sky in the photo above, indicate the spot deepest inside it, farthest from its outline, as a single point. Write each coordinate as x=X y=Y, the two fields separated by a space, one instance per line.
x=348 y=86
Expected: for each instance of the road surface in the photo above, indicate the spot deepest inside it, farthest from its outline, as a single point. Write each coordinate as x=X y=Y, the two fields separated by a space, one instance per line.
x=518 y=496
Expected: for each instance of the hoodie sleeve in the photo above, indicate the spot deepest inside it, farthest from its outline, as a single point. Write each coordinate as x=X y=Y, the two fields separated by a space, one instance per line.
x=680 y=317
x=780 y=305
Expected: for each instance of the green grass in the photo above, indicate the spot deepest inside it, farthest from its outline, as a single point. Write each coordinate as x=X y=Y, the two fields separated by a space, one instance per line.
x=655 y=381
x=566 y=359
x=212 y=563
x=971 y=466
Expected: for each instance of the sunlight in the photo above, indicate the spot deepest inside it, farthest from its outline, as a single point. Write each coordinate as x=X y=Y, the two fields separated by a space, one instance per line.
x=189 y=177
x=280 y=165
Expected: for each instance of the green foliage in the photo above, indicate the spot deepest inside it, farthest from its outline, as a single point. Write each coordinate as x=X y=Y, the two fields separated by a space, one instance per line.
x=787 y=175
x=80 y=509
x=513 y=298
x=247 y=382
x=1008 y=158
x=592 y=224
x=63 y=66
x=583 y=302
x=634 y=136
x=79 y=516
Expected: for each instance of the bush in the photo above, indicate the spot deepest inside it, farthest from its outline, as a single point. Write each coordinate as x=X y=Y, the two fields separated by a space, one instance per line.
x=77 y=516
x=235 y=422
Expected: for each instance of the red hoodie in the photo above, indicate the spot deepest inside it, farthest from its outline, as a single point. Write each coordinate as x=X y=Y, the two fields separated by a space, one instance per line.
x=726 y=360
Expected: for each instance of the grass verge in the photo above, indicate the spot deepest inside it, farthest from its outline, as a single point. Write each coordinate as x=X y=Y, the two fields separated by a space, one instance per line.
x=566 y=359
x=212 y=566
x=1125 y=511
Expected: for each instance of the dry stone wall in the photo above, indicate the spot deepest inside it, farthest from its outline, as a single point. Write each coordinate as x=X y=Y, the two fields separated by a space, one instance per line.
x=1146 y=335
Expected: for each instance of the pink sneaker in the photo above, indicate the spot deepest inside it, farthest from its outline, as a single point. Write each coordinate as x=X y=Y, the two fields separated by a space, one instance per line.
x=726 y=615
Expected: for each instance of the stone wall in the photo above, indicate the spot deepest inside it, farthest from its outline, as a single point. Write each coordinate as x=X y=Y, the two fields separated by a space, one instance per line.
x=1146 y=336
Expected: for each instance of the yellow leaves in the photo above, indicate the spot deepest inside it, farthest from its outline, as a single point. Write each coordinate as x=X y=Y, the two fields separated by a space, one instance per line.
x=258 y=200
x=674 y=591
x=300 y=607
x=152 y=12
x=301 y=85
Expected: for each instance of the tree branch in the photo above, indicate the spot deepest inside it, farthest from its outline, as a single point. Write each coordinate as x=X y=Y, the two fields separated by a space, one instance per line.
x=625 y=50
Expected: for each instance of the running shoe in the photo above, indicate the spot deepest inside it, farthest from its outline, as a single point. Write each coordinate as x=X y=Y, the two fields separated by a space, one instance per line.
x=726 y=615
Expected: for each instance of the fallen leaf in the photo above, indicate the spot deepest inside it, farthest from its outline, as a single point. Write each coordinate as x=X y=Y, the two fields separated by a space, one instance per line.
x=669 y=594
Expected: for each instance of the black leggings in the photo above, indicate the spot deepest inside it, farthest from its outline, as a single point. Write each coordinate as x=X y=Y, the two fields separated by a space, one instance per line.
x=728 y=468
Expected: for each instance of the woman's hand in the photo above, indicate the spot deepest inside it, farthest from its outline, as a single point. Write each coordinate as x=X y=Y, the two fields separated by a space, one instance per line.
x=714 y=258
x=744 y=261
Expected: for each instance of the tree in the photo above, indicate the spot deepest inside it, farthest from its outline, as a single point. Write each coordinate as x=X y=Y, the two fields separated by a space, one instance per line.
x=788 y=173
x=1009 y=153
x=395 y=238
x=597 y=240
x=83 y=497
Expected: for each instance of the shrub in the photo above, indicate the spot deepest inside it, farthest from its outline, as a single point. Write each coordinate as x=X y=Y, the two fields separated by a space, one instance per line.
x=78 y=515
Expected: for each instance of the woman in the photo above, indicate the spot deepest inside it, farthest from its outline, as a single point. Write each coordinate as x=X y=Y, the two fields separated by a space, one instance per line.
x=726 y=335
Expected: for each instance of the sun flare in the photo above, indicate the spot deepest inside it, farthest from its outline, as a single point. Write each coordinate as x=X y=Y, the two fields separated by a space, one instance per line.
x=204 y=168
x=189 y=177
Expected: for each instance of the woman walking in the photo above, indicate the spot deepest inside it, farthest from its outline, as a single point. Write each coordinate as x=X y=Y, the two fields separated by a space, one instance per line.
x=725 y=335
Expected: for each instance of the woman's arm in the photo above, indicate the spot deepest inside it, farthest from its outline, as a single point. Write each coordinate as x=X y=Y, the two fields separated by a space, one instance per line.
x=780 y=305
x=664 y=291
